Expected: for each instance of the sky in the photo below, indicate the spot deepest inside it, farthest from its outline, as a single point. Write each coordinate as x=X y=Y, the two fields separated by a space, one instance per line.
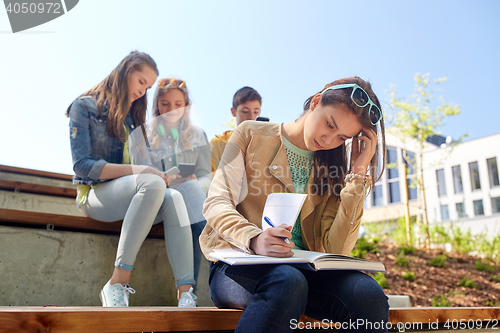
x=286 y=50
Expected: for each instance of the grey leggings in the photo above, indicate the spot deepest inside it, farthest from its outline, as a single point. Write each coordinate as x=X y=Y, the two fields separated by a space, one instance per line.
x=141 y=201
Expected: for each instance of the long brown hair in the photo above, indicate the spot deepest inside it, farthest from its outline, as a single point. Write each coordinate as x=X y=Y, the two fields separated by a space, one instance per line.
x=188 y=132
x=327 y=180
x=112 y=94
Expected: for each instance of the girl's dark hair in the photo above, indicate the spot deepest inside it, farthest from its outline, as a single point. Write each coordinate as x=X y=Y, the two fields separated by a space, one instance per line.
x=113 y=92
x=330 y=166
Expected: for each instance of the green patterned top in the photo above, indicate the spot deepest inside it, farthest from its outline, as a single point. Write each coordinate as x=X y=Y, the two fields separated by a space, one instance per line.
x=301 y=162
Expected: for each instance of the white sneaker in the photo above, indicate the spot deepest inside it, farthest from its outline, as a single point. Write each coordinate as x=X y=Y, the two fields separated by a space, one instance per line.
x=115 y=295
x=188 y=299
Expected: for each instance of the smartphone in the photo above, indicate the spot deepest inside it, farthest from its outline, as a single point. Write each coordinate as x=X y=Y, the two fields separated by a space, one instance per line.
x=172 y=171
x=259 y=118
x=186 y=169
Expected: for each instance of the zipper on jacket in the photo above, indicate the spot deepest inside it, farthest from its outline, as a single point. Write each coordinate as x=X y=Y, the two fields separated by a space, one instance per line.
x=359 y=199
x=241 y=246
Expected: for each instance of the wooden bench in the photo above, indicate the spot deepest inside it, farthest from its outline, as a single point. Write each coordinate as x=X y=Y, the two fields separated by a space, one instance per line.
x=172 y=319
x=14 y=217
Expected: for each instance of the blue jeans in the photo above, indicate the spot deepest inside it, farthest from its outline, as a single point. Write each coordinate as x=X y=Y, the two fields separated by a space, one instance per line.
x=141 y=201
x=194 y=196
x=274 y=297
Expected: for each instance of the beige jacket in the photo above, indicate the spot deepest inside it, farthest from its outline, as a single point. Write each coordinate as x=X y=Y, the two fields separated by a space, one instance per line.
x=253 y=165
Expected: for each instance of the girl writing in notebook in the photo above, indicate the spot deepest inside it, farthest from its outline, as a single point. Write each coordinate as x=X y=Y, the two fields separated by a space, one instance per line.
x=110 y=188
x=307 y=156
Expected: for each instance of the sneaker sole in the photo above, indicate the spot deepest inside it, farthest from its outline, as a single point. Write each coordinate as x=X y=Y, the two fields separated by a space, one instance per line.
x=103 y=299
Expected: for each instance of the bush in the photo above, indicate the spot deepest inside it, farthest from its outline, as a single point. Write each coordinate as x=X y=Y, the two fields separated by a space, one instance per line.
x=409 y=276
x=439 y=261
x=402 y=261
x=440 y=301
x=481 y=266
x=466 y=283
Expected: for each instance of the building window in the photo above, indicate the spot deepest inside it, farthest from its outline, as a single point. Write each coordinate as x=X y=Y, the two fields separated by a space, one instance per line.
x=394 y=192
x=457 y=179
x=410 y=164
x=392 y=159
x=378 y=198
x=495 y=205
x=441 y=182
x=445 y=213
x=478 y=207
x=493 y=171
x=460 y=209
x=412 y=191
x=474 y=176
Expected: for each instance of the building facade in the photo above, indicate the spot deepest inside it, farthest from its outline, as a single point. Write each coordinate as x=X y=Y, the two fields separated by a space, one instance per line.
x=461 y=185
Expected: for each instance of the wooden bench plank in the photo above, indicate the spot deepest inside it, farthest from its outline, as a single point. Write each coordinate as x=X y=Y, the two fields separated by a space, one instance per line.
x=39 y=173
x=165 y=319
x=37 y=188
x=78 y=223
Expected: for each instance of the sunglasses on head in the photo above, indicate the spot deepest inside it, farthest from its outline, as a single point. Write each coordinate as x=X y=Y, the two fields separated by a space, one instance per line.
x=361 y=99
x=177 y=82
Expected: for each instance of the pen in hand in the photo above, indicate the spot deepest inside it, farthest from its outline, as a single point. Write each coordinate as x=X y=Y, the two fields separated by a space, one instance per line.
x=268 y=221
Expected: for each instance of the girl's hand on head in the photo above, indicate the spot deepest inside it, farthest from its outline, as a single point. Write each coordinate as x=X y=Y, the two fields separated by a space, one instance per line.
x=361 y=156
x=269 y=243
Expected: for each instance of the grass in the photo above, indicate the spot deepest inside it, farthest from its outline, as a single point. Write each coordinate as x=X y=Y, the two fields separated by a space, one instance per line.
x=481 y=266
x=402 y=261
x=403 y=250
x=364 y=246
x=495 y=278
x=440 y=301
x=381 y=280
x=466 y=283
x=409 y=276
x=438 y=261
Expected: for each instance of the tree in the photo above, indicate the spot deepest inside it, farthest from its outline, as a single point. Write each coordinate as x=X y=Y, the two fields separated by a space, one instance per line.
x=417 y=117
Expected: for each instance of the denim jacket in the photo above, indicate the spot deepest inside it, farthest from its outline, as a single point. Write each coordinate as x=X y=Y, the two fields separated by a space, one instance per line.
x=91 y=146
x=169 y=153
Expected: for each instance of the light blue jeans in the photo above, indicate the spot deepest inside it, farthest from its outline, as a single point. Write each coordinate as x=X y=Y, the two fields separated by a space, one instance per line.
x=194 y=196
x=141 y=201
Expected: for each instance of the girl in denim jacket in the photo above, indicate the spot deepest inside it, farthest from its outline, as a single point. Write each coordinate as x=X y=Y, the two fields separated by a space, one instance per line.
x=307 y=156
x=110 y=188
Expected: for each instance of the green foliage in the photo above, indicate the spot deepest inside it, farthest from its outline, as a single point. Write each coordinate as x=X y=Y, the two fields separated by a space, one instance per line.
x=438 y=261
x=440 y=301
x=487 y=245
x=403 y=250
x=490 y=303
x=381 y=280
x=462 y=242
x=402 y=261
x=466 y=283
x=481 y=266
x=231 y=124
x=409 y=276
x=439 y=235
x=495 y=278
x=417 y=117
x=364 y=246
x=398 y=234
